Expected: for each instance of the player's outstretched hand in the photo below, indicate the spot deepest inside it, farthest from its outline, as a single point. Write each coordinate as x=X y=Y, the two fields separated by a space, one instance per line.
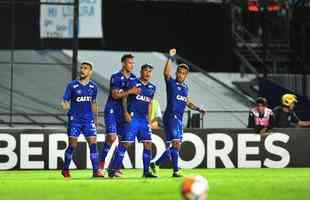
x=172 y=52
x=135 y=90
x=127 y=117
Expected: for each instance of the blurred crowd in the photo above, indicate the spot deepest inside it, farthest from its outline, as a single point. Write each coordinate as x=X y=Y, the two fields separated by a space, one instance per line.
x=263 y=119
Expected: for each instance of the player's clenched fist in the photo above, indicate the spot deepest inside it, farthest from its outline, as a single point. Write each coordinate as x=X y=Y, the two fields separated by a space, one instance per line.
x=134 y=90
x=172 y=52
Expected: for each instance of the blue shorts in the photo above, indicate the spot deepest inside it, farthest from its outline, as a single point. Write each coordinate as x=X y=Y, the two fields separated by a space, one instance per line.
x=113 y=123
x=138 y=127
x=173 y=127
x=77 y=126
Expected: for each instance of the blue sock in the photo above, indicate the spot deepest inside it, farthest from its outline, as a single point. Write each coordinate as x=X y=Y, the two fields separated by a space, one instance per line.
x=164 y=157
x=175 y=158
x=94 y=156
x=147 y=155
x=117 y=160
x=68 y=156
x=105 y=151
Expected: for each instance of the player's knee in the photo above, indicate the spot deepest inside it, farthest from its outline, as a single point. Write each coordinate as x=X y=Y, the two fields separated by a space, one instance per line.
x=110 y=139
x=126 y=144
x=147 y=145
x=92 y=140
x=176 y=144
x=73 y=142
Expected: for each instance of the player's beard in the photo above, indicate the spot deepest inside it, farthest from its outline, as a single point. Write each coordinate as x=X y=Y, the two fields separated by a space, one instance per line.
x=180 y=81
x=83 y=77
x=145 y=79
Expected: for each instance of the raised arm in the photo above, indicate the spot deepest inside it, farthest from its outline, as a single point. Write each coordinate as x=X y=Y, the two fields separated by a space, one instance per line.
x=168 y=65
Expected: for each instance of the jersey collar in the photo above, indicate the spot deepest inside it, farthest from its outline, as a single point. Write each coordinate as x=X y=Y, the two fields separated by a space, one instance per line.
x=182 y=84
x=145 y=84
x=85 y=83
x=130 y=75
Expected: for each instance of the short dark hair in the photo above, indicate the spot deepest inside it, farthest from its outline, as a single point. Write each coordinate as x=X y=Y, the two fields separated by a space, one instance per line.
x=126 y=56
x=262 y=100
x=183 y=66
x=90 y=64
x=145 y=66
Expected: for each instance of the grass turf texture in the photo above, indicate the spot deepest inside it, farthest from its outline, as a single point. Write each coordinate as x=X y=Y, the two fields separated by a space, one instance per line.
x=230 y=184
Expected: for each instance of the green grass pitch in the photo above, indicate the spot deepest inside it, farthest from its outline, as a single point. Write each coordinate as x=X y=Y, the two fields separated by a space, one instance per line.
x=225 y=184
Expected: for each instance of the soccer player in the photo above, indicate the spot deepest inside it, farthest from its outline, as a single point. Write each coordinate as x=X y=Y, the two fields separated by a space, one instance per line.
x=177 y=100
x=113 y=111
x=136 y=112
x=80 y=101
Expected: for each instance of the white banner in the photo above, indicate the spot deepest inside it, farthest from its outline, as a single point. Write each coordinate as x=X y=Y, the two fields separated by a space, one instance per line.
x=56 y=21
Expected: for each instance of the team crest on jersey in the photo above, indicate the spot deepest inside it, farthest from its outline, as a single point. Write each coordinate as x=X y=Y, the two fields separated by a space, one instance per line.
x=91 y=86
x=179 y=88
x=150 y=86
x=79 y=91
x=122 y=78
x=75 y=86
x=131 y=78
x=138 y=84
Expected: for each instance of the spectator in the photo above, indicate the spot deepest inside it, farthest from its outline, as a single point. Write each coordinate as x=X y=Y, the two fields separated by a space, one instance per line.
x=260 y=117
x=155 y=115
x=285 y=117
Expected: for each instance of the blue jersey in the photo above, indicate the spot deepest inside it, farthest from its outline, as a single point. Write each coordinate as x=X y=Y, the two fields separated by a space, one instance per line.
x=138 y=105
x=81 y=98
x=117 y=82
x=177 y=94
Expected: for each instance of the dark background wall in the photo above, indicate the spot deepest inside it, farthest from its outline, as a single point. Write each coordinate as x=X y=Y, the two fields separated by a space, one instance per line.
x=300 y=33
x=200 y=31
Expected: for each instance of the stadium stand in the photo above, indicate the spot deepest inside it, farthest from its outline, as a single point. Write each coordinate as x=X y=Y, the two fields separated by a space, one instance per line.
x=39 y=78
